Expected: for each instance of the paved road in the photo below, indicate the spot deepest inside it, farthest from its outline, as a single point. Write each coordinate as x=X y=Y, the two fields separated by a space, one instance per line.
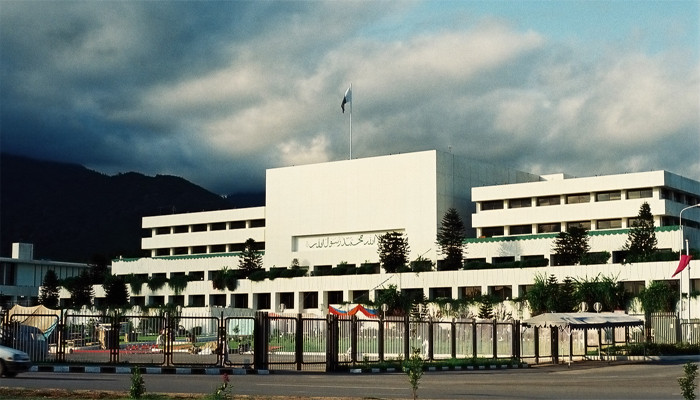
x=588 y=380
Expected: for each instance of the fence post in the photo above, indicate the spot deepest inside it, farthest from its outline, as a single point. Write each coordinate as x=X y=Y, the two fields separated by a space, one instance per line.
x=60 y=337
x=261 y=332
x=431 y=338
x=516 y=339
x=453 y=338
x=474 y=341
x=299 y=342
x=537 y=344
x=554 y=342
x=353 y=339
x=332 y=343
x=113 y=339
x=380 y=338
x=494 y=338
x=406 y=337
x=222 y=342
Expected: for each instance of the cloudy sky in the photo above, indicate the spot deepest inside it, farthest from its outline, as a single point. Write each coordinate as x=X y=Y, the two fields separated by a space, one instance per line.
x=216 y=92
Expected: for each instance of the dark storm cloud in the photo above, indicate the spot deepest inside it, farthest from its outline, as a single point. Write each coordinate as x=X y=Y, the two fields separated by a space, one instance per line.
x=218 y=91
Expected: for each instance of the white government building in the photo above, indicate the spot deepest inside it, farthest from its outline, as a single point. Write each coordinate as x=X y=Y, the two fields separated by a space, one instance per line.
x=324 y=215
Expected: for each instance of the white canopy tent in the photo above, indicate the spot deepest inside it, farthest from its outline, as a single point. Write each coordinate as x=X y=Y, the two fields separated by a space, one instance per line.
x=584 y=320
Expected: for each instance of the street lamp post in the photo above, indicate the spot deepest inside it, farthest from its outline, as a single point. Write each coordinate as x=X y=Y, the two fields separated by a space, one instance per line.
x=687 y=252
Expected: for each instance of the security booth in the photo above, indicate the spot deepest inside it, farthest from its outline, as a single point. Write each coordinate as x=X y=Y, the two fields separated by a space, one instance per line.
x=603 y=325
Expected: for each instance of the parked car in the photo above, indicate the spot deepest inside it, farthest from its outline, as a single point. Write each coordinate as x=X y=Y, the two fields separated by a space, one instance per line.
x=13 y=361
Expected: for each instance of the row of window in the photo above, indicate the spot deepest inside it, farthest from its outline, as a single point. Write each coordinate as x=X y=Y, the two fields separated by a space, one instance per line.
x=215 y=226
x=555 y=227
x=574 y=198
x=199 y=250
x=310 y=300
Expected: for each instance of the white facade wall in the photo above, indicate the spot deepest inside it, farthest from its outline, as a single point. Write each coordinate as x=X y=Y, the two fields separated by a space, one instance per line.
x=515 y=279
x=592 y=211
x=209 y=237
x=327 y=213
x=324 y=214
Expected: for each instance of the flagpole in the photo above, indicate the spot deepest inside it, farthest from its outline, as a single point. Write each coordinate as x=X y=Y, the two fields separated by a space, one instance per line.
x=351 y=102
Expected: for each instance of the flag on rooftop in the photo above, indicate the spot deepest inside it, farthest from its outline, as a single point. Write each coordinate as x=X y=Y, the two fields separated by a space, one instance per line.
x=346 y=99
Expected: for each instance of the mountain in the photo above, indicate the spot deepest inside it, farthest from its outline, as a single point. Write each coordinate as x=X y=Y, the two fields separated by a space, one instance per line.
x=71 y=213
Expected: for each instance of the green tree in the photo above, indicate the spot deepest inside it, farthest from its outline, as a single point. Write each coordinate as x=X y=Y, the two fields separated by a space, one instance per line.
x=641 y=239
x=450 y=238
x=80 y=289
x=251 y=258
x=116 y=293
x=571 y=246
x=486 y=308
x=393 y=251
x=543 y=295
x=99 y=269
x=397 y=303
x=687 y=381
x=49 y=295
x=414 y=370
x=658 y=297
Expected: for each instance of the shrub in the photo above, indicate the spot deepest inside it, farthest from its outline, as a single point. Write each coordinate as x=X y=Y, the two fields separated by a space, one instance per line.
x=138 y=386
x=413 y=367
x=687 y=381
x=598 y=257
x=258 y=275
x=477 y=265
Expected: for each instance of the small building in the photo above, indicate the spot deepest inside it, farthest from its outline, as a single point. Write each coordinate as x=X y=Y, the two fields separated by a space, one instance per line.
x=21 y=275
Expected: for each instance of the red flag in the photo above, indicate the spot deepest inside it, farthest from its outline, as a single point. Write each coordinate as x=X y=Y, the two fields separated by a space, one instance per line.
x=685 y=260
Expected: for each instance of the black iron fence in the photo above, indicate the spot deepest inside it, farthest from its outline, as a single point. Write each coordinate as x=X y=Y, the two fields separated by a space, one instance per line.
x=303 y=342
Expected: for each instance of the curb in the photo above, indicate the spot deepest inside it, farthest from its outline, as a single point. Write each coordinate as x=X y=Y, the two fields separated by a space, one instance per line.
x=145 y=370
x=450 y=368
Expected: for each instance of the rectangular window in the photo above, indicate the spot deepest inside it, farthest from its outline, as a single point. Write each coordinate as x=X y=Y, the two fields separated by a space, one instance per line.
x=440 y=292
x=199 y=228
x=196 y=275
x=501 y=260
x=549 y=228
x=287 y=298
x=199 y=250
x=548 y=201
x=310 y=299
x=257 y=223
x=8 y=274
x=218 y=300
x=578 y=198
x=217 y=248
x=335 y=297
x=239 y=300
x=470 y=292
x=360 y=296
x=163 y=230
x=609 y=224
x=608 y=196
x=492 y=231
x=218 y=226
x=520 y=229
x=492 y=205
x=579 y=224
x=181 y=229
x=262 y=301
x=236 y=225
x=520 y=203
x=640 y=193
